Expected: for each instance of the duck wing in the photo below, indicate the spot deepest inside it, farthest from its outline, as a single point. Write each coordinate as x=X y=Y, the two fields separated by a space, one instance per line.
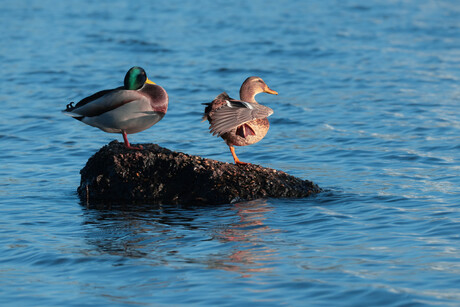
x=101 y=102
x=234 y=113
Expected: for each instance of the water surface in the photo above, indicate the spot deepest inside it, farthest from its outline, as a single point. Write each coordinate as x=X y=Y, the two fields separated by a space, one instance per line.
x=368 y=108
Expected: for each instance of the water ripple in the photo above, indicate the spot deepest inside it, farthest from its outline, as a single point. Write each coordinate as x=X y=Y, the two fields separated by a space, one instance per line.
x=367 y=108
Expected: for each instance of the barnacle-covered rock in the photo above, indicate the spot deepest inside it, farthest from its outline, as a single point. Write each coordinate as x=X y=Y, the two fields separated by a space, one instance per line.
x=158 y=175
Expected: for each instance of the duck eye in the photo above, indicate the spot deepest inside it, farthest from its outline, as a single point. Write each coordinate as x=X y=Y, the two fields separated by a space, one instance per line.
x=141 y=78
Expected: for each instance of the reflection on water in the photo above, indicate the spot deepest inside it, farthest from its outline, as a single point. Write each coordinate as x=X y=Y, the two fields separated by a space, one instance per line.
x=156 y=234
x=249 y=252
x=134 y=234
x=367 y=107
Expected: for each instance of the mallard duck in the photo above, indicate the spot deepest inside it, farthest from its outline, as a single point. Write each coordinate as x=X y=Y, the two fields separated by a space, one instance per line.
x=131 y=108
x=240 y=122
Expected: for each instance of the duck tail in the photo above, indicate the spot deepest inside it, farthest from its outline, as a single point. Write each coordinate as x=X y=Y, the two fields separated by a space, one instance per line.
x=68 y=111
x=206 y=111
x=209 y=105
x=205 y=115
x=69 y=107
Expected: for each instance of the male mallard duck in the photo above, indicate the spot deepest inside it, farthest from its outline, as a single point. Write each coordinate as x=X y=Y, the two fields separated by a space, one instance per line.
x=240 y=122
x=131 y=108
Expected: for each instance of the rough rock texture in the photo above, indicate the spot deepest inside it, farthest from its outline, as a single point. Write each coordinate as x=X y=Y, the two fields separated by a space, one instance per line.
x=158 y=175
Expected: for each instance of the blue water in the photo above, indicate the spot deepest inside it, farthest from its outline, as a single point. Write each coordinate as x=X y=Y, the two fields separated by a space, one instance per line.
x=368 y=108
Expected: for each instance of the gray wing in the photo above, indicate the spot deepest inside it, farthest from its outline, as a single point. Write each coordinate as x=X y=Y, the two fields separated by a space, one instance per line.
x=235 y=113
x=98 y=103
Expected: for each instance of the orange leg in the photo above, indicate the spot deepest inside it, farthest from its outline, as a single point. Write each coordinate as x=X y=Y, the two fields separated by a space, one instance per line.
x=125 y=138
x=237 y=161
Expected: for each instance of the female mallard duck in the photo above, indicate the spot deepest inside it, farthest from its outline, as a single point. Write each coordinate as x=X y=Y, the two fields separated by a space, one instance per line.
x=131 y=108
x=240 y=122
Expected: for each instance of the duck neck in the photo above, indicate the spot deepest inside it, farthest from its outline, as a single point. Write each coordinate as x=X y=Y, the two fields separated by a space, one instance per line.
x=247 y=94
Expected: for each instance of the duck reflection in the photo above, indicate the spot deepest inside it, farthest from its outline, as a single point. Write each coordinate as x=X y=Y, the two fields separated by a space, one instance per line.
x=250 y=239
x=234 y=237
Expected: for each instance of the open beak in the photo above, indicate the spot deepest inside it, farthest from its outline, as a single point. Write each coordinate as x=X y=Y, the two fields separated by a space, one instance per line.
x=270 y=91
x=149 y=81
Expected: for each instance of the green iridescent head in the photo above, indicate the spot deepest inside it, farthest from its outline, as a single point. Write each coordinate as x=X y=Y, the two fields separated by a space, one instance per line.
x=136 y=78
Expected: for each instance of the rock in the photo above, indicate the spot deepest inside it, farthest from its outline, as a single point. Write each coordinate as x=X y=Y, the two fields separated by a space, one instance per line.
x=158 y=175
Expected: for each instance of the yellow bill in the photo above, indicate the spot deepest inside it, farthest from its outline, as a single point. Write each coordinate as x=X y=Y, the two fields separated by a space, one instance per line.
x=149 y=81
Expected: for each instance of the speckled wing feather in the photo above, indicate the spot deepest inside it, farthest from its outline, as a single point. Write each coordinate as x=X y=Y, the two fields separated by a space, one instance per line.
x=218 y=102
x=234 y=113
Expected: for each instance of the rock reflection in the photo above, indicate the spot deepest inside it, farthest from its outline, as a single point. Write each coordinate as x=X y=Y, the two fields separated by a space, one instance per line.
x=174 y=236
x=149 y=233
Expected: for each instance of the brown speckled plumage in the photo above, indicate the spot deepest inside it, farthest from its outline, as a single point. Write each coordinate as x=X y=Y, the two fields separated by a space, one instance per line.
x=260 y=127
x=240 y=122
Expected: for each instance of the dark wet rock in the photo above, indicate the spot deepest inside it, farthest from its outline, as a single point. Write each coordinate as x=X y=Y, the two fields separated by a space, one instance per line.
x=158 y=175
